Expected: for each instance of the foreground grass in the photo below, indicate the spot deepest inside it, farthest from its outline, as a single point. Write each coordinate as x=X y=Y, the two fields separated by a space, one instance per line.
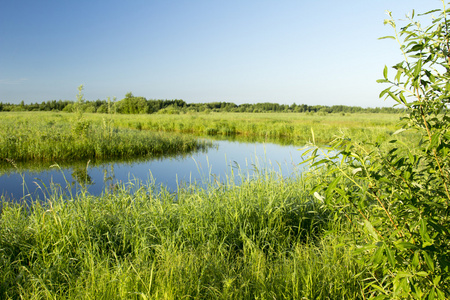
x=62 y=137
x=260 y=240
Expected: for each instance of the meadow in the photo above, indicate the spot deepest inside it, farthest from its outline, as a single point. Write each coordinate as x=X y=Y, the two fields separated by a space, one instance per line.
x=368 y=220
x=268 y=238
x=60 y=137
x=295 y=127
x=262 y=239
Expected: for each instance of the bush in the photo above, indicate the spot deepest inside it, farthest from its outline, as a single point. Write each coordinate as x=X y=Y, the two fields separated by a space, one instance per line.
x=397 y=197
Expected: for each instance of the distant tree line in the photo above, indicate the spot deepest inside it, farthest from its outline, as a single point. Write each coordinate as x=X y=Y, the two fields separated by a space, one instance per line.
x=140 y=105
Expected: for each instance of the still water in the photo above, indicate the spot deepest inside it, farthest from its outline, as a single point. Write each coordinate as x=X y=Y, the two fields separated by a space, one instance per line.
x=216 y=164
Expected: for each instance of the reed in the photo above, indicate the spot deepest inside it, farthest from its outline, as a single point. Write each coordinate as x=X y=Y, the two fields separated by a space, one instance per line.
x=61 y=137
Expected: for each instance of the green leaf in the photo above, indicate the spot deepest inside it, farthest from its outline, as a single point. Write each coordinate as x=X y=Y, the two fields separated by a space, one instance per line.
x=402 y=97
x=364 y=248
x=432 y=294
x=383 y=92
x=369 y=227
x=390 y=256
x=428 y=261
x=447 y=135
x=385 y=72
x=387 y=37
x=377 y=257
x=320 y=162
x=429 y=12
x=435 y=140
x=379 y=288
x=402 y=274
x=415 y=260
x=316 y=188
x=399 y=131
x=426 y=240
x=417 y=47
x=399 y=74
x=332 y=186
x=405 y=245
x=412 y=158
x=440 y=294
x=318 y=197
x=354 y=171
x=393 y=96
x=418 y=68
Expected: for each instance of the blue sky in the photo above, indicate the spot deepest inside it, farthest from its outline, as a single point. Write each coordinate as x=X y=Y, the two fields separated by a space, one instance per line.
x=307 y=52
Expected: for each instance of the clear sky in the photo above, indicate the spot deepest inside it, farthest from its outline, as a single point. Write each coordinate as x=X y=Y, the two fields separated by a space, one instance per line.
x=242 y=51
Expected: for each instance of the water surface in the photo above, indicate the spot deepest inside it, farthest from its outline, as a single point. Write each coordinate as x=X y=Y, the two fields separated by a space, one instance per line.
x=216 y=164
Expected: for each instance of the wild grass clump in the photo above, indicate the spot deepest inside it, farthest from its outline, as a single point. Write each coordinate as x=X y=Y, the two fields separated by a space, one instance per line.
x=262 y=239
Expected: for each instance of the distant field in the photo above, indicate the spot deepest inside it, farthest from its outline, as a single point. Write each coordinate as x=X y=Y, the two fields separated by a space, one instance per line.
x=294 y=126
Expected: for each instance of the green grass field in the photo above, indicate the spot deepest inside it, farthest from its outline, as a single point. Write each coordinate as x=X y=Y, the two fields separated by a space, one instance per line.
x=293 y=126
x=267 y=238
x=51 y=136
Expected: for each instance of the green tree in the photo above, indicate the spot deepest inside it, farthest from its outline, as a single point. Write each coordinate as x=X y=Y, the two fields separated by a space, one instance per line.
x=133 y=105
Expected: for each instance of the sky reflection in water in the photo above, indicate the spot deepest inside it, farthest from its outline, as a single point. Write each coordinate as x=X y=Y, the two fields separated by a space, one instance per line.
x=169 y=172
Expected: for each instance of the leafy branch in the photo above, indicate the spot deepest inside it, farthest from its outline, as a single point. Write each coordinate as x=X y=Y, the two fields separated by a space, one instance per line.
x=402 y=198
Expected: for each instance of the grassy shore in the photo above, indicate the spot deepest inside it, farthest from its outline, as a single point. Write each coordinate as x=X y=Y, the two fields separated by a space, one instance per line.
x=30 y=136
x=260 y=240
x=52 y=136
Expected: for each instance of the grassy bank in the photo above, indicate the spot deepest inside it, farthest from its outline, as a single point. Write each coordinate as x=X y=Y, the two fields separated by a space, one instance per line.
x=51 y=136
x=263 y=239
x=30 y=133
x=66 y=137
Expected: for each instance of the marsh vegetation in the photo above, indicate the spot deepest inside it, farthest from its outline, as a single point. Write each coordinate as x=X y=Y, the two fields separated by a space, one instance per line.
x=368 y=220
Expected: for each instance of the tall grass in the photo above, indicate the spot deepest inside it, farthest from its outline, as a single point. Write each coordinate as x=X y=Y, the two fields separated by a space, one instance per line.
x=262 y=239
x=295 y=127
x=59 y=137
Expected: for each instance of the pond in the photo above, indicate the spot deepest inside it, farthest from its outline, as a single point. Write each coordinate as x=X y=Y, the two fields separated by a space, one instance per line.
x=216 y=164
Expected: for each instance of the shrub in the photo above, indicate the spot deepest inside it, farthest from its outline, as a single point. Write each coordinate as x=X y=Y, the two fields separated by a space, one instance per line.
x=397 y=197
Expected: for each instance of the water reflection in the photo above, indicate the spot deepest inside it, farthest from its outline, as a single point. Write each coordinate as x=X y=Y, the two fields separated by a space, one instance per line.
x=82 y=177
x=216 y=164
